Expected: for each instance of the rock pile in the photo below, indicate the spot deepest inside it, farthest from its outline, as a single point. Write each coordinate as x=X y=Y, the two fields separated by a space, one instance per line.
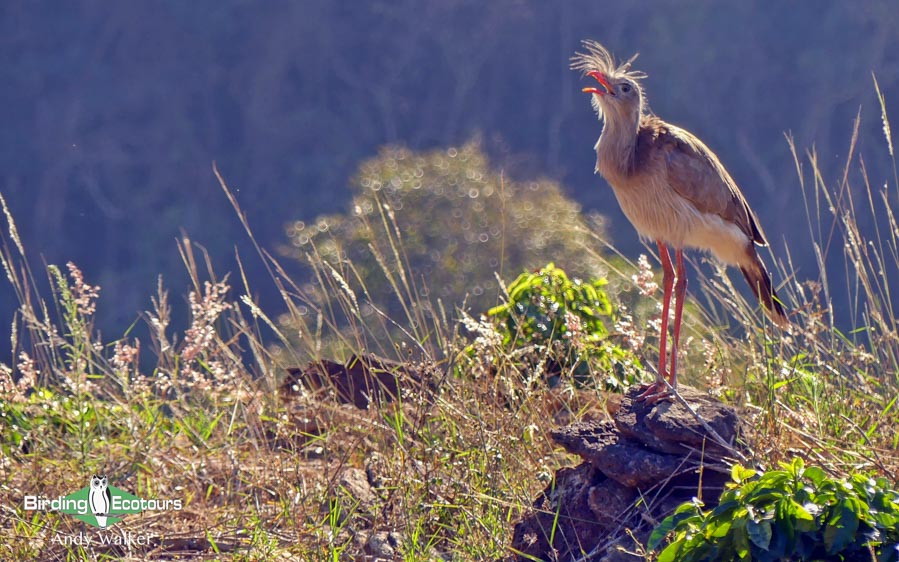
x=363 y=380
x=636 y=470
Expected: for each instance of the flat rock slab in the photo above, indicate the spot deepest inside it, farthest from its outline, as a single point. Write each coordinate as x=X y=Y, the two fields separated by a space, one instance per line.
x=669 y=427
x=585 y=437
x=627 y=462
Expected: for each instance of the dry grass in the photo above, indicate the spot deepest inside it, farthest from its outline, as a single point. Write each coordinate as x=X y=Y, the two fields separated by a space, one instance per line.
x=455 y=460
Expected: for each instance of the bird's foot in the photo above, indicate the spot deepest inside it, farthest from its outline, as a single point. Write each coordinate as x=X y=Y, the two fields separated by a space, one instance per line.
x=659 y=391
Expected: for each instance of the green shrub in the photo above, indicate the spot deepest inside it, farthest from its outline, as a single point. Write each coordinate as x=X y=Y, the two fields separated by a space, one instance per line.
x=797 y=513
x=568 y=320
x=441 y=224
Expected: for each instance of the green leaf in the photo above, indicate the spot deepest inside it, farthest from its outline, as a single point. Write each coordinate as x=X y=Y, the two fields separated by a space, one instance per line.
x=683 y=513
x=759 y=533
x=719 y=530
x=659 y=533
x=765 y=495
x=841 y=527
x=497 y=310
x=671 y=551
x=815 y=474
x=774 y=479
x=796 y=468
x=799 y=512
x=739 y=473
x=741 y=541
x=779 y=384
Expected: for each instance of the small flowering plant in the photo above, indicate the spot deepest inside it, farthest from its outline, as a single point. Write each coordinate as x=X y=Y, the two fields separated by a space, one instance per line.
x=567 y=321
x=66 y=378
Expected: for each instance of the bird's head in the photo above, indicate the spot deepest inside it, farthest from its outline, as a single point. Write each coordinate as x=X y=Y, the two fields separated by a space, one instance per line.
x=618 y=95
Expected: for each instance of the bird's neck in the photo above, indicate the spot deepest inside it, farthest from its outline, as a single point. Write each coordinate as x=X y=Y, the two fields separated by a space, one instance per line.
x=616 y=148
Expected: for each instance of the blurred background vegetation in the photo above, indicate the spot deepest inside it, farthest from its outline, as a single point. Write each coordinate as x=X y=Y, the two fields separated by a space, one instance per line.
x=113 y=113
x=449 y=223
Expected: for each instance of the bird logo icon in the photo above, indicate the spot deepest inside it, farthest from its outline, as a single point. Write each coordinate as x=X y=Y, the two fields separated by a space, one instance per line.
x=99 y=499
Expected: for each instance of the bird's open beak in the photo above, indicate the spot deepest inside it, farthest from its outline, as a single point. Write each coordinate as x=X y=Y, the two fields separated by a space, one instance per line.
x=603 y=81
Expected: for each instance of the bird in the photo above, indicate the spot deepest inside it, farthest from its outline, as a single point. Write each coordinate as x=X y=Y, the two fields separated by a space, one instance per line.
x=675 y=191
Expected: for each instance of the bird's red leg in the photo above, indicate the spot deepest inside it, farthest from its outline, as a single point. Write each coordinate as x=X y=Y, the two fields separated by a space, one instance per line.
x=667 y=285
x=680 y=293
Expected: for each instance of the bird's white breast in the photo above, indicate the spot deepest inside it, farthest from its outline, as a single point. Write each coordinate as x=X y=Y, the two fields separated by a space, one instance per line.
x=659 y=213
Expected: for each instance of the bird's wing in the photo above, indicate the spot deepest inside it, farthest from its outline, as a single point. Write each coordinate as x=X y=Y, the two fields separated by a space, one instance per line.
x=697 y=175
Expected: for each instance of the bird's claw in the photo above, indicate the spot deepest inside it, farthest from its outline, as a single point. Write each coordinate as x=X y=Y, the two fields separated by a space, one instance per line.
x=656 y=392
x=663 y=396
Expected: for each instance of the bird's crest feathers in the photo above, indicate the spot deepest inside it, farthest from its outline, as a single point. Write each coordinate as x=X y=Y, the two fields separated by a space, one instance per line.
x=599 y=58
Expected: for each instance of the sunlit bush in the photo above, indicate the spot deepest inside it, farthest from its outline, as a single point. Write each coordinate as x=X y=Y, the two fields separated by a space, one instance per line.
x=440 y=225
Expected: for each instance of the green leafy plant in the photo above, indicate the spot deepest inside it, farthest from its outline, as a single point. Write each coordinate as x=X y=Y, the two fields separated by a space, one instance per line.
x=796 y=513
x=568 y=319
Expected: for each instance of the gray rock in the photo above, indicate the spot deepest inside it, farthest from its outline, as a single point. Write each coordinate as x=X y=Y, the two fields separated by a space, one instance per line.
x=609 y=501
x=583 y=438
x=355 y=493
x=562 y=513
x=670 y=428
x=377 y=470
x=383 y=545
x=647 y=452
x=627 y=462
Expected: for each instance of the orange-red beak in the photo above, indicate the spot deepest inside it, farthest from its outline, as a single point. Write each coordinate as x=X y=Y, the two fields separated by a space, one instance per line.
x=603 y=81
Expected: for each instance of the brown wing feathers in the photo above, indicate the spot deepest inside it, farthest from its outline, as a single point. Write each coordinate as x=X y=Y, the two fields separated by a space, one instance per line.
x=697 y=175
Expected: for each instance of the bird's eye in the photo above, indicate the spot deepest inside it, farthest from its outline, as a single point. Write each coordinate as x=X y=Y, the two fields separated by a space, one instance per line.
x=625 y=88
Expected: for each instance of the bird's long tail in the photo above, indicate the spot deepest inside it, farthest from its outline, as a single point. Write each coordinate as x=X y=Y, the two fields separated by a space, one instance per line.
x=760 y=283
